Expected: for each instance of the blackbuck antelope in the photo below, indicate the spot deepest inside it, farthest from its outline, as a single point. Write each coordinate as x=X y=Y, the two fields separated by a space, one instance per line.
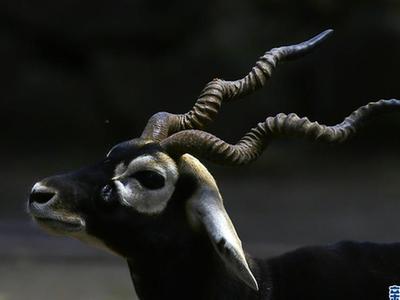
x=151 y=201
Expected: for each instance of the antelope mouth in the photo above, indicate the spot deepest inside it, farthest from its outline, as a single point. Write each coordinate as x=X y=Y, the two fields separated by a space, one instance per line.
x=59 y=225
x=56 y=222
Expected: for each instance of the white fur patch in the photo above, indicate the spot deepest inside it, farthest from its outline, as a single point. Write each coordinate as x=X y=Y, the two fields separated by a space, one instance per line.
x=206 y=211
x=133 y=194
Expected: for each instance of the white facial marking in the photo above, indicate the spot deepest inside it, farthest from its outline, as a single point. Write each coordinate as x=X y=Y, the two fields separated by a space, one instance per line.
x=133 y=194
x=119 y=170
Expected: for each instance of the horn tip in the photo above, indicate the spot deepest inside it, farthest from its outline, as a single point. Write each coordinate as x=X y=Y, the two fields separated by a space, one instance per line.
x=326 y=33
x=320 y=37
x=299 y=50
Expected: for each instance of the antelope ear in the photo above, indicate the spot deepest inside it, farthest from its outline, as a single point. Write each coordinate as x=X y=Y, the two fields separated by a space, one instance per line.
x=206 y=212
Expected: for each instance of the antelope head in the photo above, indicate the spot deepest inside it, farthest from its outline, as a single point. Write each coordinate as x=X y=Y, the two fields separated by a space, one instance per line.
x=152 y=191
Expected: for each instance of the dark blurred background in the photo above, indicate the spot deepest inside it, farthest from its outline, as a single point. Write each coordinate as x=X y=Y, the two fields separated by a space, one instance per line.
x=80 y=76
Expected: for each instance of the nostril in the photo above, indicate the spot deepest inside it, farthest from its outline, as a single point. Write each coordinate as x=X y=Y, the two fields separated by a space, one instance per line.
x=41 y=197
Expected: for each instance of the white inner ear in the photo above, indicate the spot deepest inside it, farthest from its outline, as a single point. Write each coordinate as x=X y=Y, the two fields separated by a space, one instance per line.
x=142 y=199
x=206 y=211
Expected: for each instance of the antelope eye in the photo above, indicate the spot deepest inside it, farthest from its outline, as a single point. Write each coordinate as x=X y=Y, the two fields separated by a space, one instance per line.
x=149 y=179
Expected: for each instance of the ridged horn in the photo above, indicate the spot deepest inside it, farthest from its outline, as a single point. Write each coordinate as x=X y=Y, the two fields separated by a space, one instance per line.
x=205 y=145
x=163 y=124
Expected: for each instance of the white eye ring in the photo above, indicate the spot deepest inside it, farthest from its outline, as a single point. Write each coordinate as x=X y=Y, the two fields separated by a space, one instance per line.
x=146 y=183
x=149 y=179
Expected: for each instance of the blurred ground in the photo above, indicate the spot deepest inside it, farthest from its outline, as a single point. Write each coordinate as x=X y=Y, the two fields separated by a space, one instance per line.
x=306 y=199
x=62 y=280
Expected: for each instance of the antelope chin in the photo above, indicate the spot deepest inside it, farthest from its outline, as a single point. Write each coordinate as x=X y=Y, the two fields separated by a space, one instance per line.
x=56 y=222
x=59 y=226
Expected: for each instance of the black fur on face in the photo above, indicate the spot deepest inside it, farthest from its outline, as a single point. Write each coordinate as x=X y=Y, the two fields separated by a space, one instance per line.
x=91 y=195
